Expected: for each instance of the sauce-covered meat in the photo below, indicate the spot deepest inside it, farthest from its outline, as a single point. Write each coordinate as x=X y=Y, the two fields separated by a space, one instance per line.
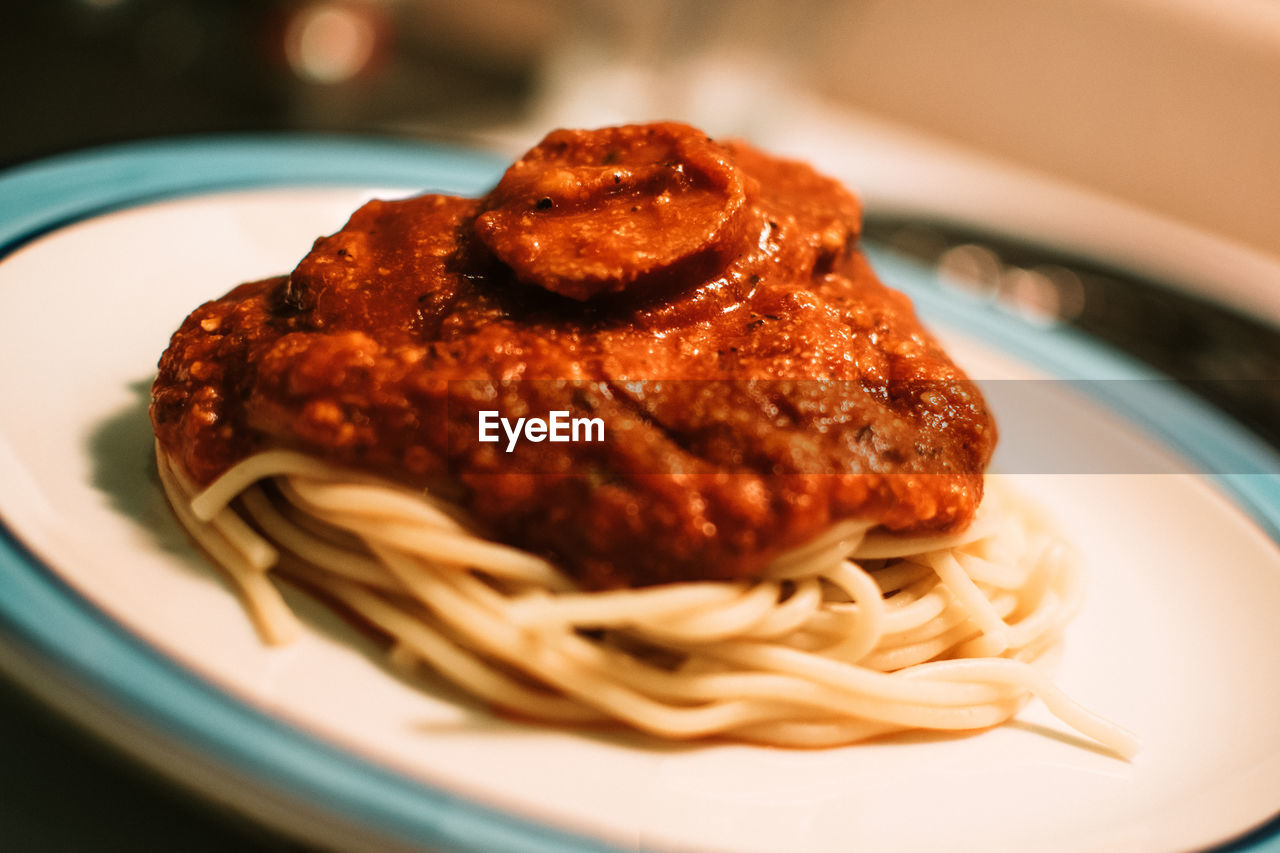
x=706 y=302
x=589 y=212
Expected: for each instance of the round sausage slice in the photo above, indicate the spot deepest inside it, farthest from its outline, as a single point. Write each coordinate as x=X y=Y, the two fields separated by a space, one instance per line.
x=619 y=209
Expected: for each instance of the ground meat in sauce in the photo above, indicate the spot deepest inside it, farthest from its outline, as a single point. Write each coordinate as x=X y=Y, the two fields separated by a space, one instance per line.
x=707 y=301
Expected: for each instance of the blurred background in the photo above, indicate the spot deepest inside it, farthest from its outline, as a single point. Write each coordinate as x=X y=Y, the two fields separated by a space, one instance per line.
x=1112 y=164
x=1173 y=105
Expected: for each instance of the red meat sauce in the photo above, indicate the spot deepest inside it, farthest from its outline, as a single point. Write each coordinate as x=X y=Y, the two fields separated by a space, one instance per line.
x=706 y=301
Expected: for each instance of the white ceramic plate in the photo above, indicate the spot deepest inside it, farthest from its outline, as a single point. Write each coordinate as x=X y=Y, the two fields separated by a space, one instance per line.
x=101 y=589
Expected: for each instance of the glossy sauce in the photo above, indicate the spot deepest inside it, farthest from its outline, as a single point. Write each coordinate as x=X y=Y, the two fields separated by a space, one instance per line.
x=706 y=301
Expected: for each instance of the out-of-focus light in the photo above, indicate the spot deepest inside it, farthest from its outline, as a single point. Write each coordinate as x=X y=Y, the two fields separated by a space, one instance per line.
x=1071 y=293
x=1044 y=295
x=330 y=42
x=971 y=268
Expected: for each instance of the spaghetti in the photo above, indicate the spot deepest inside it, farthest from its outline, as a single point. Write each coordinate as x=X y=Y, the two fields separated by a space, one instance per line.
x=854 y=635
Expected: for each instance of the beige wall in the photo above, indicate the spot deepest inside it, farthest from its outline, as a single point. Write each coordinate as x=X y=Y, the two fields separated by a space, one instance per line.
x=1174 y=105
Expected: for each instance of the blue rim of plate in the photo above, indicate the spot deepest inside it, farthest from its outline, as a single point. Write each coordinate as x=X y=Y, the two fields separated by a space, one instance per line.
x=60 y=629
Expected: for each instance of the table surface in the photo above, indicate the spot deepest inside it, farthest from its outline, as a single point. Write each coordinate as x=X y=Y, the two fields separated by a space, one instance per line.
x=51 y=766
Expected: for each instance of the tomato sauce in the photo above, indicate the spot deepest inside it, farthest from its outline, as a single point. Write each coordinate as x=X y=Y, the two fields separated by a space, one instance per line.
x=706 y=301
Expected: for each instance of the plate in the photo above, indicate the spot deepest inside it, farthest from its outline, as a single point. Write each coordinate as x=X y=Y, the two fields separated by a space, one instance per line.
x=106 y=610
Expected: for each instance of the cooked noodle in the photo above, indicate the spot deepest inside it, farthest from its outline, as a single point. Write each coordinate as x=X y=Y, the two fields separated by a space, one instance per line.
x=851 y=636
